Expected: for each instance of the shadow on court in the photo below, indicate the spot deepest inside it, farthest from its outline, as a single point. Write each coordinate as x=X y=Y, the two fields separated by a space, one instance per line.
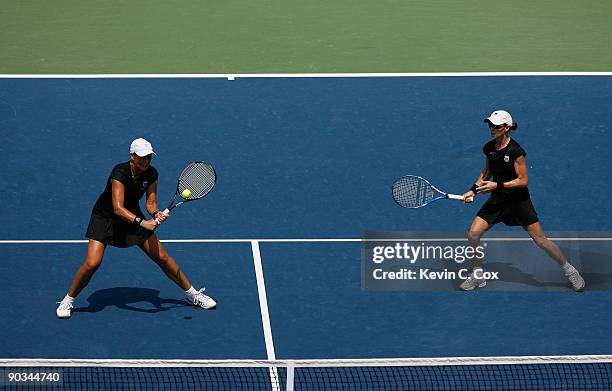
x=541 y=273
x=132 y=299
x=516 y=279
x=516 y=275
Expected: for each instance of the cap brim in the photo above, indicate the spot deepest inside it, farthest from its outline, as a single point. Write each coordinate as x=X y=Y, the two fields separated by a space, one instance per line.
x=489 y=119
x=145 y=153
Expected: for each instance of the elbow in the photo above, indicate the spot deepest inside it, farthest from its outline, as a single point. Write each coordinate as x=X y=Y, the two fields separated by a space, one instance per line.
x=117 y=210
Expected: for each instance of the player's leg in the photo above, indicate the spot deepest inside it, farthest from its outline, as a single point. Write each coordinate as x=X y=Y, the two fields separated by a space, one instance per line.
x=477 y=229
x=539 y=237
x=156 y=251
x=93 y=260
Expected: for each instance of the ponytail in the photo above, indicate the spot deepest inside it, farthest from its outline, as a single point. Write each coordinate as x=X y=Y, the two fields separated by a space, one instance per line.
x=514 y=126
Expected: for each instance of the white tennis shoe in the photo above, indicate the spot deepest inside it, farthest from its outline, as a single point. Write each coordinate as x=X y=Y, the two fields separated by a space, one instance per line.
x=576 y=280
x=199 y=299
x=472 y=283
x=64 y=310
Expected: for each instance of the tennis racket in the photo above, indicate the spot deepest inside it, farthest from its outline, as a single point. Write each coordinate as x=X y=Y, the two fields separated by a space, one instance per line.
x=197 y=177
x=412 y=191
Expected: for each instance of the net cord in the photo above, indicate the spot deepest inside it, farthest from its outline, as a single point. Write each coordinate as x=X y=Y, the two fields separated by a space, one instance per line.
x=382 y=362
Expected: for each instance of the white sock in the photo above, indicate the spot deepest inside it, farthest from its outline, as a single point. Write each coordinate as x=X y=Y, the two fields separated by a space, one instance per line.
x=68 y=299
x=191 y=291
x=568 y=268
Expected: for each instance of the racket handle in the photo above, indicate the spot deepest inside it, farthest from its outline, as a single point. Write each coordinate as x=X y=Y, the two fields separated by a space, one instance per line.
x=458 y=197
x=166 y=212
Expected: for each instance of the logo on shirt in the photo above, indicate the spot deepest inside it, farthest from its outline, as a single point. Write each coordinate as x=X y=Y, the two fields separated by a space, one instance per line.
x=506 y=158
x=144 y=185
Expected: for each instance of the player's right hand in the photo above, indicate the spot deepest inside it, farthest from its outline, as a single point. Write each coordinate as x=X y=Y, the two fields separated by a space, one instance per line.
x=469 y=197
x=149 y=225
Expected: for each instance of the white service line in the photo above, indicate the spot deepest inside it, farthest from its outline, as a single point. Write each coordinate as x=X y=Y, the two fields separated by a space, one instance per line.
x=313 y=240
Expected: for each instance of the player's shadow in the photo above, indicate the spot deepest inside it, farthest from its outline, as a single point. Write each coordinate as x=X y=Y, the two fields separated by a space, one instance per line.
x=595 y=267
x=510 y=273
x=513 y=274
x=126 y=298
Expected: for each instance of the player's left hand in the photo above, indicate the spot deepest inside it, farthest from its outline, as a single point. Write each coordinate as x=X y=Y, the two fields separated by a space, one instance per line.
x=486 y=187
x=160 y=217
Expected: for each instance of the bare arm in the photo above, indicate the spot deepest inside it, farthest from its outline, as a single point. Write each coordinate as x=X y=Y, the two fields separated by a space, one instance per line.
x=152 y=199
x=152 y=203
x=118 y=199
x=520 y=167
x=485 y=174
x=121 y=211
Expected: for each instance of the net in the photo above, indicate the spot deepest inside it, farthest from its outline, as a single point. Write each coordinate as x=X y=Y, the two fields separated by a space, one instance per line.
x=412 y=192
x=199 y=178
x=501 y=373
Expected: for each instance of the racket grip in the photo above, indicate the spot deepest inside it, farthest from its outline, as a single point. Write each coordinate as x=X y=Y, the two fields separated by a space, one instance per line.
x=166 y=212
x=459 y=197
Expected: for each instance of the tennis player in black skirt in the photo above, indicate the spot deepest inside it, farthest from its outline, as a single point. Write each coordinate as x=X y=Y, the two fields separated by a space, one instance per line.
x=505 y=178
x=116 y=220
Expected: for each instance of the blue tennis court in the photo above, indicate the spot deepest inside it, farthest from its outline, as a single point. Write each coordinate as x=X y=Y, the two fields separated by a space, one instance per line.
x=305 y=167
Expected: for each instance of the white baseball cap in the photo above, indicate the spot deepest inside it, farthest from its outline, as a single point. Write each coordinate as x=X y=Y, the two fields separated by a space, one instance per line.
x=141 y=147
x=500 y=117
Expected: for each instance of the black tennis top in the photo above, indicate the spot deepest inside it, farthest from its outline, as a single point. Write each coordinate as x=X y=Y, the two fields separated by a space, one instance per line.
x=502 y=168
x=134 y=190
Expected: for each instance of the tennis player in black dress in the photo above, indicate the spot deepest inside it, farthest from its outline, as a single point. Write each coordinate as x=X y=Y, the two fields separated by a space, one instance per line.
x=505 y=178
x=116 y=220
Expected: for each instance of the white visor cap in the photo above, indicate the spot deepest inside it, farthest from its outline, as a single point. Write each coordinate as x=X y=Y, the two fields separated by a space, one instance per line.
x=141 y=147
x=500 y=117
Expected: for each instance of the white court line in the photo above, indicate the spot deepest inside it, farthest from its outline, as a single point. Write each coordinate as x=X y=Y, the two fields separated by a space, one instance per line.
x=263 y=300
x=308 y=240
x=265 y=316
x=232 y=76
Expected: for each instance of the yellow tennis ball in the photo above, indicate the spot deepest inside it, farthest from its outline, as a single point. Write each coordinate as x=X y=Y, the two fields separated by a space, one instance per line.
x=186 y=193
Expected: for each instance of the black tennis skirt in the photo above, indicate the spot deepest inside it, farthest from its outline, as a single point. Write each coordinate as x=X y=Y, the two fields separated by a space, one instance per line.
x=510 y=213
x=115 y=232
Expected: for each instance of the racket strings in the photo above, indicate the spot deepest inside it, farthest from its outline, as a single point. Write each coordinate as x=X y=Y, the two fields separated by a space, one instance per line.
x=199 y=178
x=412 y=192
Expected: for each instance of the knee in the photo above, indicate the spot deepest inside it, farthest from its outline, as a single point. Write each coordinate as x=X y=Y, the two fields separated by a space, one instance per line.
x=540 y=241
x=162 y=258
x=473 y=236
x=91 y=265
